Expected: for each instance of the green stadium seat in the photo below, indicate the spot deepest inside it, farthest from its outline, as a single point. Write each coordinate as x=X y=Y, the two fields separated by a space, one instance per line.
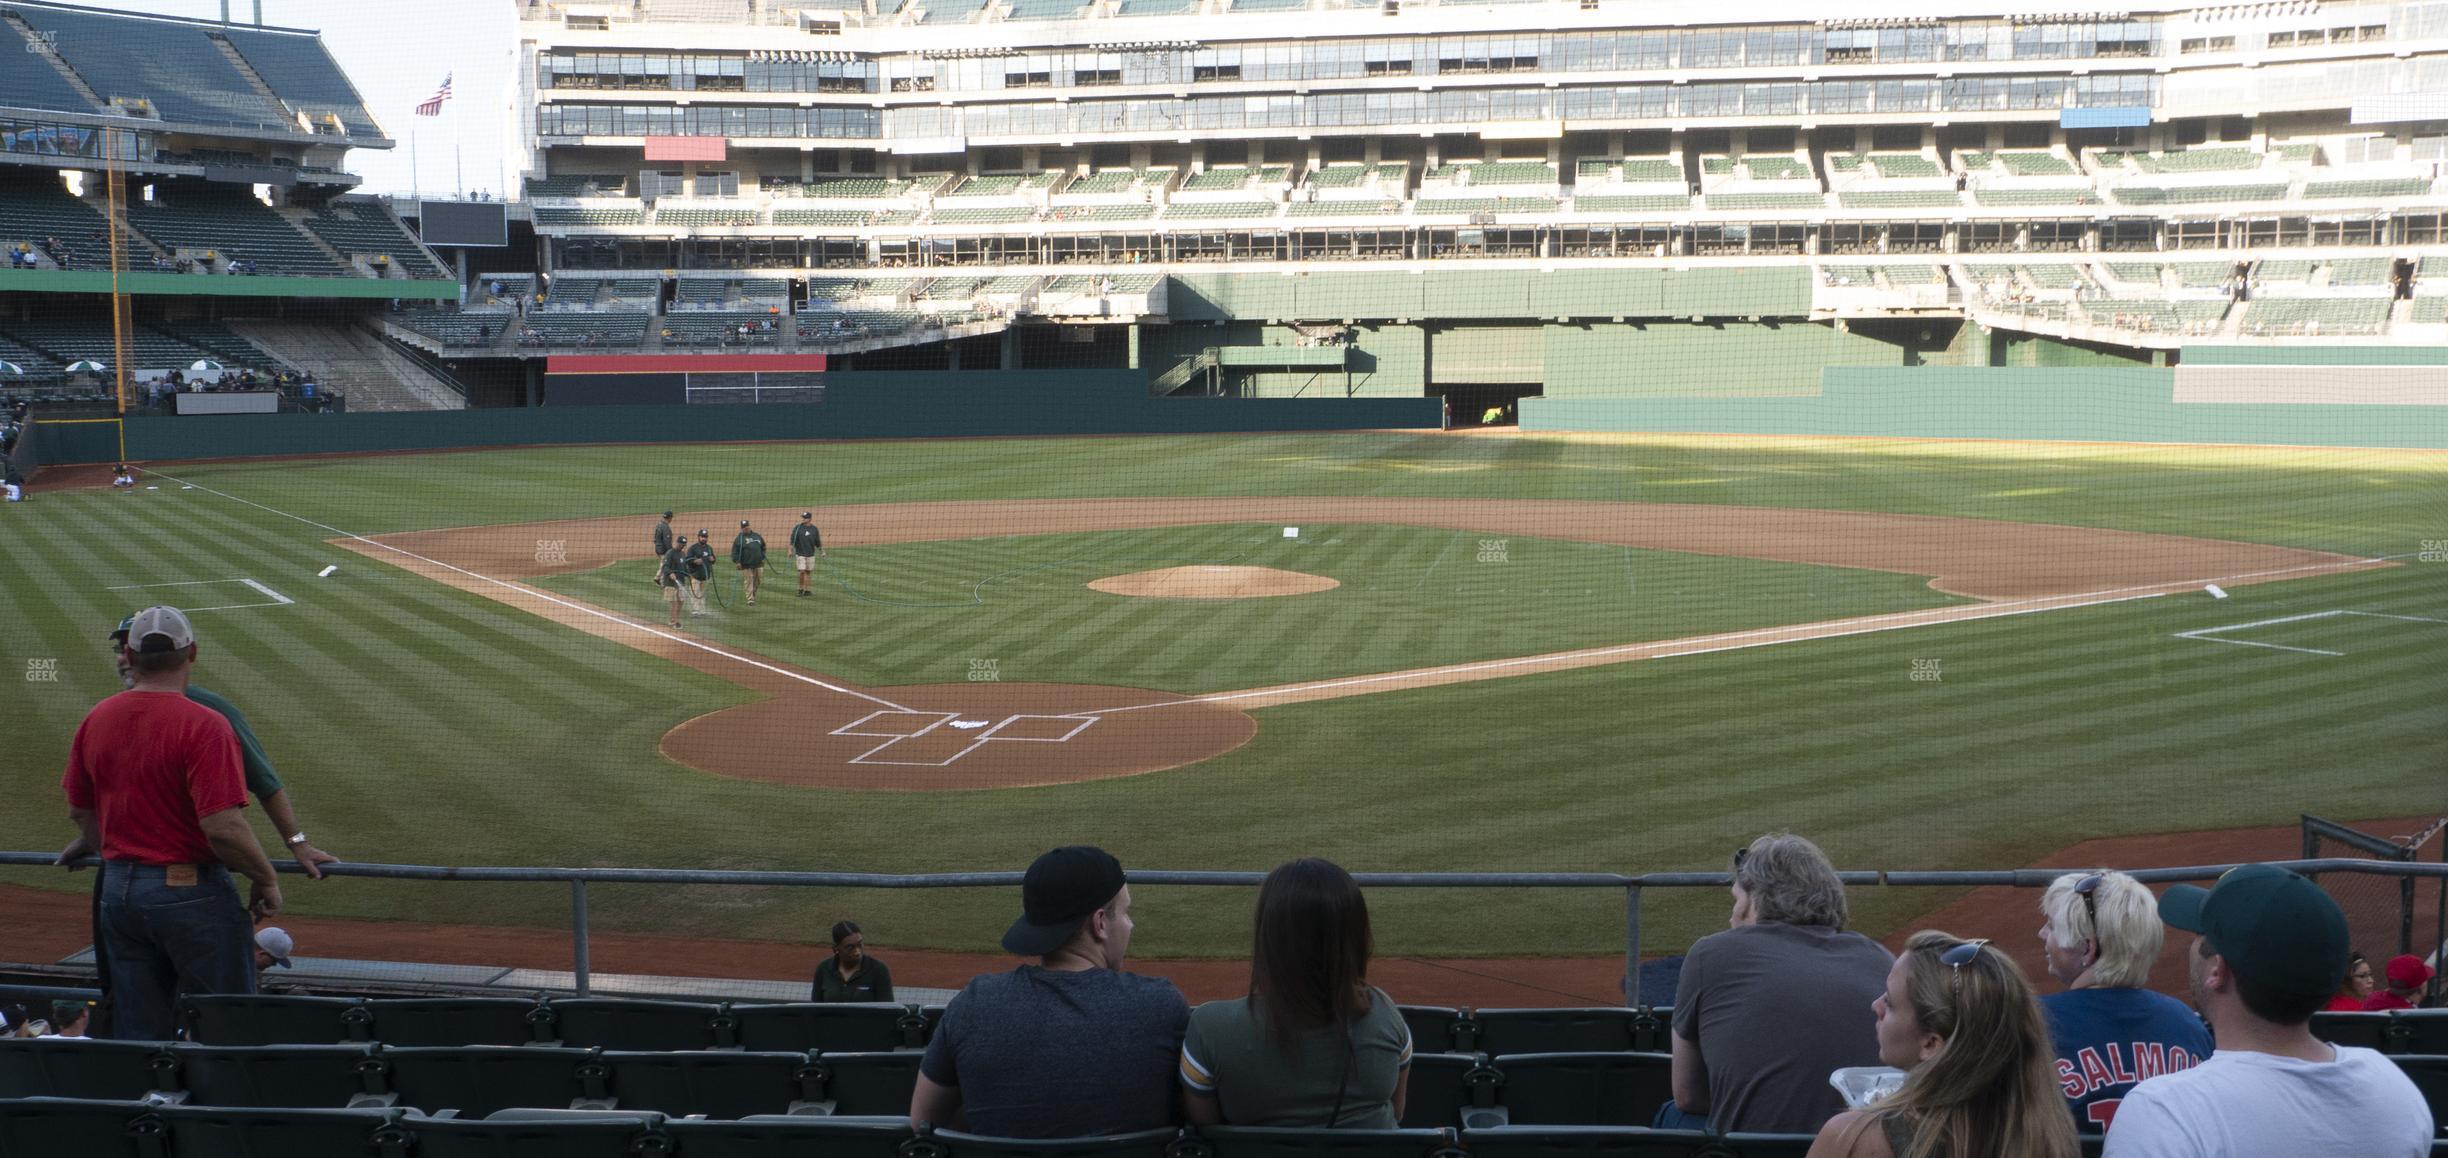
x=227 y=1132
x=1565 y=1030
x=1433 y=1028
x=274 y=1076
x=1273 y=1142
x=1651 y=170
x=1583 y=1089
x=1633 y=203
x=1628 y=1142
x=867 y=1083
x=614 y=1136
x=38 y=1067
x=1903 y=165
x=2033 y=164
x=2403 y=1032
x=271 y=1019
x=1720 y=202
x=773 y=1136
x=1899 y=199
x=713 y=1083
x=2017 y=197
x=1443 y=1086
x=477 y=1080
x=635 y=1024
x=955 y=1144
x=44 y=1126
x=2367 y=188
x=840 y=1027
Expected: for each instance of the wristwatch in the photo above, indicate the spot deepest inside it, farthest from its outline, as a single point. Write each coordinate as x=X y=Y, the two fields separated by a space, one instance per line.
x=296 y=839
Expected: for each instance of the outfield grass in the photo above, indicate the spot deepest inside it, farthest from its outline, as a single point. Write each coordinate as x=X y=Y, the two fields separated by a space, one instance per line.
x=421 y=724
x=910 y=613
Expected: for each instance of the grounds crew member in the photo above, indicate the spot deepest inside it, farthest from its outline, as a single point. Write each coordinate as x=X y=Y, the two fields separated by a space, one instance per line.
x=748 y=554
x=700 y=570
x=806 y=543
x=672 y=576
x=663 y=537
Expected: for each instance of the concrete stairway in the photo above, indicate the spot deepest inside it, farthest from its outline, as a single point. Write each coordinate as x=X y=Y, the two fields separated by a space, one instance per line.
x=355 y=363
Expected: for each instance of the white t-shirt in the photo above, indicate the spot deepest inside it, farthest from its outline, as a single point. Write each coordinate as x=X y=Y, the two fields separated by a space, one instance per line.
x=2256 y=1105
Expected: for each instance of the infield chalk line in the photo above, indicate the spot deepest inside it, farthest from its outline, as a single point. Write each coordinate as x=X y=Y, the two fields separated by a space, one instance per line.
x=278 y=599
x=2211 y=634
x=1748 y=639
x=545 y=596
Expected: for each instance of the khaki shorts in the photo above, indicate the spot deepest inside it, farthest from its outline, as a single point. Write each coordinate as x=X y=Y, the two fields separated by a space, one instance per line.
x=806 y=562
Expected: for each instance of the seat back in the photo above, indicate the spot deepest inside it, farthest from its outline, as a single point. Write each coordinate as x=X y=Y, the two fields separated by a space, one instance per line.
x=272 y=1076
x=1432 y=1028
x=2422 y=1031
x=2369 y=1030
x=267 y=1019
x=766 y=1136
x=802 y=1026
x=869 y=1084
x=431 y=1021
x=477 y=1080
x=1439 y=1089
x=40 y=1127
x=620 y=1023
x=2430 y=1074
x=1584 y=1089
x=223 y=1132
x=614 y=1137
x=1588 y=1030
x=1270 y=1142
x=1628 y=1142
x=713 y=1083
x=954 y=1144
x=52 y=1067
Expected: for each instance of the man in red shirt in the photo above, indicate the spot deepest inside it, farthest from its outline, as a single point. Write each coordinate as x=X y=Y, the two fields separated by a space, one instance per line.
x=153 y=781
x=2406 y=977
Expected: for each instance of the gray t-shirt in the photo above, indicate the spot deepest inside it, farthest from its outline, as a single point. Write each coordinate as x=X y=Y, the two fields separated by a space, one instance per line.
x=1037 y=1053
x=1226 y=1054
x=1775 y=1008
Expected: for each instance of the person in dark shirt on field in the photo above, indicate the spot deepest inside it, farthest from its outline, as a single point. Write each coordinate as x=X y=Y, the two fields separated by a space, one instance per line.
x=850 y=974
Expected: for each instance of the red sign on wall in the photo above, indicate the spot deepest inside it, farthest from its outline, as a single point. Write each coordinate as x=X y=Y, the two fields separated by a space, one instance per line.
x=686 y=148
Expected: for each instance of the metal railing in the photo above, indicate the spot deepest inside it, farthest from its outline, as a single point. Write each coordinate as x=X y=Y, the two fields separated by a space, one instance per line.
x=1631 y=884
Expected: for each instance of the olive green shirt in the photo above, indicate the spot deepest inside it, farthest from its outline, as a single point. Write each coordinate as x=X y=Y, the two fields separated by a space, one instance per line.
x=260 y=779
x=1226 y=1054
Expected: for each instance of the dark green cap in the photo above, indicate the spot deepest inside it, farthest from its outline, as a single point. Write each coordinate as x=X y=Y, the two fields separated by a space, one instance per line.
x=2272 y=925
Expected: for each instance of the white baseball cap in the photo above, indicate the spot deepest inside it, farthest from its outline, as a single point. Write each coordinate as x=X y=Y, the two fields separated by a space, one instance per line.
x=165 y=622
x=275 y=940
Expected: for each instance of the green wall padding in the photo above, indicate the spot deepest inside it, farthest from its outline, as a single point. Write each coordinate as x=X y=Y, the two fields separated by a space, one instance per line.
x=2317 y=355
x=2092 y=405
x=1396 y=292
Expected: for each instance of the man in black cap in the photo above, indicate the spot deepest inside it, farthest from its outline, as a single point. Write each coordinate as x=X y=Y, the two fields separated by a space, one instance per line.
x=2269 y=950
x=663 y=543
x=748 y=554
x=1071 y=1046
x=806 y=543
x=701 y=571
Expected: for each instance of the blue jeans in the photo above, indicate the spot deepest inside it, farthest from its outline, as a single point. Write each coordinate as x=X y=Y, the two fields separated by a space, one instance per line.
x=1671 y=1117
x=159 y=941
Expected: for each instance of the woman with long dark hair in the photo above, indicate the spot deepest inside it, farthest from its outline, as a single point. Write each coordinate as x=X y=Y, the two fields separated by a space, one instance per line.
x=1981 y=1075
x=1313 y=1044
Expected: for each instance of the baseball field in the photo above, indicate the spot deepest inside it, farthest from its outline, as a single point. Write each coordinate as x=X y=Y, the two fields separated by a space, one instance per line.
x=1400 y=651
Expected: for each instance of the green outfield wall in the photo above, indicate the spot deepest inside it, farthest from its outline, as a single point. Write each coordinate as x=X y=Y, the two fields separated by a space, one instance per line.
x=87 y=281
x=856 y=405
x=2102 y=404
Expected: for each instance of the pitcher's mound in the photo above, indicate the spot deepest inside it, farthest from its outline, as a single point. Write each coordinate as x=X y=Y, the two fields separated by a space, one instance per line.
x=1213 y=583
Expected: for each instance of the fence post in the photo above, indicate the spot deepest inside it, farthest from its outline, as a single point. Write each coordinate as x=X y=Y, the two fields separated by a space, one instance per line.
x=1632 y=942
x=578 y=935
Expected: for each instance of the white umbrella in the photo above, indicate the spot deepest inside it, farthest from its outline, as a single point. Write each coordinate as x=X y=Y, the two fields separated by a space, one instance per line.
x=88 y=366
x=206 y=366
x=11 y=368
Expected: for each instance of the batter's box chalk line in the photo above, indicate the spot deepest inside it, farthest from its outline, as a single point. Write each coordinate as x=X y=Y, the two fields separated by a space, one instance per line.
x=896 y=728
x=2214 y=634
x=275 y=598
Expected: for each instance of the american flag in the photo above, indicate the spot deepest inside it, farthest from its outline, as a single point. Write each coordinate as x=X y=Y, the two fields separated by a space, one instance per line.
x=433 y=104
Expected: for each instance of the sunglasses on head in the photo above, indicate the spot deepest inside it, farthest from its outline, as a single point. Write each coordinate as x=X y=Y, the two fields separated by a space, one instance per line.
x=2088 y=889
x=1959 y=956
x=1739 y=854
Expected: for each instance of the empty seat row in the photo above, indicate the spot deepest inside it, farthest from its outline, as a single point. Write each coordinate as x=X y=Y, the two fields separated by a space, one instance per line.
x=2416 y=1031
x=472 y=1080
x=607 y=1023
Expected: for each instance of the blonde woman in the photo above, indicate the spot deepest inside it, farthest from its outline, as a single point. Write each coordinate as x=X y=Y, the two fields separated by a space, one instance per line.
x=1980 y=1080
x=2100 y=931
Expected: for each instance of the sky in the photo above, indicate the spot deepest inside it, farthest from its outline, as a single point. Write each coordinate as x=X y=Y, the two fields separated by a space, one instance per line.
x=397 y=52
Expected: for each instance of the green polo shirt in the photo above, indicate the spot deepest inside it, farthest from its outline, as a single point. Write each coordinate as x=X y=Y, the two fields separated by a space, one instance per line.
x=872 y=982
x=1225 y=1054
x=260 y=779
